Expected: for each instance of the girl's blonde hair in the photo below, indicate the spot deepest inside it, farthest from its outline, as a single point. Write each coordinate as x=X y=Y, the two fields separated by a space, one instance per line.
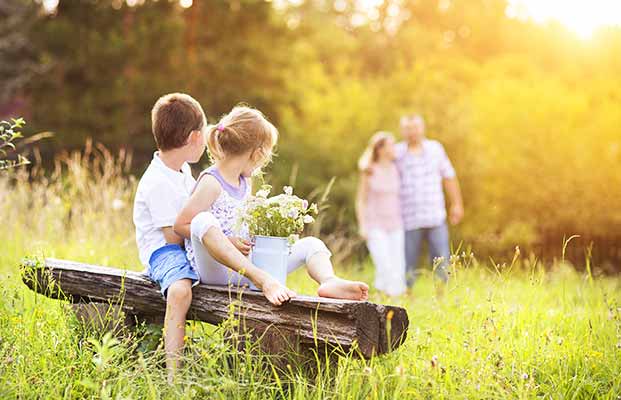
x=371 y=153
x=242 y=130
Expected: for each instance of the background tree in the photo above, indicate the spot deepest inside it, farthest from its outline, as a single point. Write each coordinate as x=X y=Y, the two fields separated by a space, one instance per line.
x=529 y=113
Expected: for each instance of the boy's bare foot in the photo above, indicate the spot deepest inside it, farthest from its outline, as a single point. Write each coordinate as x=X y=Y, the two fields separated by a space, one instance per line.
x=338 y=288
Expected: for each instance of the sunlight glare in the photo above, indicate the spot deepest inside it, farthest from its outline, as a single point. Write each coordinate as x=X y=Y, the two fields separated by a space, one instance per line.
x=582 y=17
x=186 y=3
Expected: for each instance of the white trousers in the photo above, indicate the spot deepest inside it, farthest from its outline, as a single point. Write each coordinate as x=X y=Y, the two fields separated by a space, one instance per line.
x=387 y=253
x=212 y=272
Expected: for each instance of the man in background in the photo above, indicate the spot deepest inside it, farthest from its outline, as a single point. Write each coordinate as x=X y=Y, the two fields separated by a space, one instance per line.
x=425 y=173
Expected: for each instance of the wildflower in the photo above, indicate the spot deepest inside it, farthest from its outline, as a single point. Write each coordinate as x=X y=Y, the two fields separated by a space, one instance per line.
x=517 y=251
x=399 y=370
x=308 y=219
x=434 y=361
x=524 y=376
x=293 y=213
x=619 y=345
x=288 y=190
x=304 y=204
x=314 y=208
x=559 y=341
x=117 y=204
x=367 y=370
x=283 y=212
x=263 y=193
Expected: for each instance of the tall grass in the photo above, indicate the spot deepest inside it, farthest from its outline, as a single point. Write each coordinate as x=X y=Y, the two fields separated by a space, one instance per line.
x=502 y=329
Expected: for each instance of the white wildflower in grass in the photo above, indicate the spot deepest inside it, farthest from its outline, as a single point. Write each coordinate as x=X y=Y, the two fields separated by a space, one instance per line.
x=284 y=215
x=434 y=361
x=117 y=204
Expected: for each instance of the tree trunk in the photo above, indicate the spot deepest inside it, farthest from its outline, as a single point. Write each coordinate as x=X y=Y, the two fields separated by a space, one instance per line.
x=304 y=322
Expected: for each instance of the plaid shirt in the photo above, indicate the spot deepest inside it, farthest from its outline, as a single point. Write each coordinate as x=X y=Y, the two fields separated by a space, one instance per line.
x=422 y=195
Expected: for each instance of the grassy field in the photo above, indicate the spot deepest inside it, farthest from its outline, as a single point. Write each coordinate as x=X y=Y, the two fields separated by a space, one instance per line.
x=514 y=330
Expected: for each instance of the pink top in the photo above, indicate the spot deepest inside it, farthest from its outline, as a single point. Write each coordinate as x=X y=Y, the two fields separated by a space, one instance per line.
x=383 y=209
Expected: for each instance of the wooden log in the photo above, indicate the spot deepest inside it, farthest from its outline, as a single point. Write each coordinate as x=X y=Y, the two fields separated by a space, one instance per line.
x=304 y=322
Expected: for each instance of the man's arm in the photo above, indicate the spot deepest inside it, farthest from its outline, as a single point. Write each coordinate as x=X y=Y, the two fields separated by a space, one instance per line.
x=456 y=204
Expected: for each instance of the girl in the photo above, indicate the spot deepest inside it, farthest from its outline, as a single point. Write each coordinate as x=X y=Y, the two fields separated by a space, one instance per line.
x=379 y=213
x=241 y=143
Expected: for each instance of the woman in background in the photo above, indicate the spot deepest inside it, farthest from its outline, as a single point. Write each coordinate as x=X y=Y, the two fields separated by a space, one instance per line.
x=379 y=213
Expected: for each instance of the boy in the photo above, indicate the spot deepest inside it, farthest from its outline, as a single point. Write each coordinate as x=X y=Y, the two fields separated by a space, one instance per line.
x=178 y=122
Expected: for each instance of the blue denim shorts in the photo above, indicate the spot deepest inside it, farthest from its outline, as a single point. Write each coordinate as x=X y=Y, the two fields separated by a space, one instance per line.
x=169 y=264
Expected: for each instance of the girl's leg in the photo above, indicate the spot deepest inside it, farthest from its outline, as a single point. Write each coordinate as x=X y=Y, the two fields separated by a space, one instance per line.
x=212 y=249
x=314 y=253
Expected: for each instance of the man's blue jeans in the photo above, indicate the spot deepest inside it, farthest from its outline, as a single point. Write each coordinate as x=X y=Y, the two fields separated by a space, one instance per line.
x=438 y=240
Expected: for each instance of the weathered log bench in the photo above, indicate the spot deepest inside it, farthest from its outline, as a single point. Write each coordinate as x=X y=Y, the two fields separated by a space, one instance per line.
x=303 y=323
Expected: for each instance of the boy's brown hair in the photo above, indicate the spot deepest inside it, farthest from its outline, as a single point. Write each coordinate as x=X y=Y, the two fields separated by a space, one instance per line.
x=173 y=118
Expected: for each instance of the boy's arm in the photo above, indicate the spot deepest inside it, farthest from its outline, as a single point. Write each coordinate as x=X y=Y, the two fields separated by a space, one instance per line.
x=170 y=235
x=205 y=194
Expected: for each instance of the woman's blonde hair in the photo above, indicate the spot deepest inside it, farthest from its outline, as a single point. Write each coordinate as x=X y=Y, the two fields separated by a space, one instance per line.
x=371 y=153
x=243 y=129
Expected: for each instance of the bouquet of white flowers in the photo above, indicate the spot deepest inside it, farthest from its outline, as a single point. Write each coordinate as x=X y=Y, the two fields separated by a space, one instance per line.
x=275 y=223
x=284 y=215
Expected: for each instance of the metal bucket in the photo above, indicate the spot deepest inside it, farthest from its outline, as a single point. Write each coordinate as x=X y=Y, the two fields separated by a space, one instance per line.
x=270 y=254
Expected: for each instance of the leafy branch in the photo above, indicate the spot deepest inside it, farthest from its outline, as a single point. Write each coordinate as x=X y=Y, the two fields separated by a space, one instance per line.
x=9 y=133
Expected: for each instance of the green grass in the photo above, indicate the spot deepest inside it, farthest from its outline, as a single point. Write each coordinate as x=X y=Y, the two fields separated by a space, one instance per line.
x=517 y=331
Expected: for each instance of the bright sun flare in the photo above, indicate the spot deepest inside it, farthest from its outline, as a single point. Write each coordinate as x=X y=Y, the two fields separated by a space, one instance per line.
x=581 y=16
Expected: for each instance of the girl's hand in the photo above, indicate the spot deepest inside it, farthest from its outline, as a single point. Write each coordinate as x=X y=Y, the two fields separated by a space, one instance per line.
x=242 y=245
x=276 y=293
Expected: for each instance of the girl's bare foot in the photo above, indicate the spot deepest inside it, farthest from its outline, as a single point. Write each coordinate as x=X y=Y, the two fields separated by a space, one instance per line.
x=338 y=288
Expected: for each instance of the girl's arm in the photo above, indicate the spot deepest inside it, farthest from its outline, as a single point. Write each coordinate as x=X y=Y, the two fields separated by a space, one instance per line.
x=207 y=191
x=361 y=201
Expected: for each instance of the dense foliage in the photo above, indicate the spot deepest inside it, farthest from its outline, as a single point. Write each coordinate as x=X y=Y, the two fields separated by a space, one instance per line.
x=10 y=132
x=530 y=114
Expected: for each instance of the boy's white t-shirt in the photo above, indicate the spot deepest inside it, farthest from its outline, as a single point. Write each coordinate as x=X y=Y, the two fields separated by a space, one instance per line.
x=162 y=192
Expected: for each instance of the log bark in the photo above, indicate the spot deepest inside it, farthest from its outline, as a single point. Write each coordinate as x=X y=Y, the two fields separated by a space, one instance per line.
x=302 y=323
